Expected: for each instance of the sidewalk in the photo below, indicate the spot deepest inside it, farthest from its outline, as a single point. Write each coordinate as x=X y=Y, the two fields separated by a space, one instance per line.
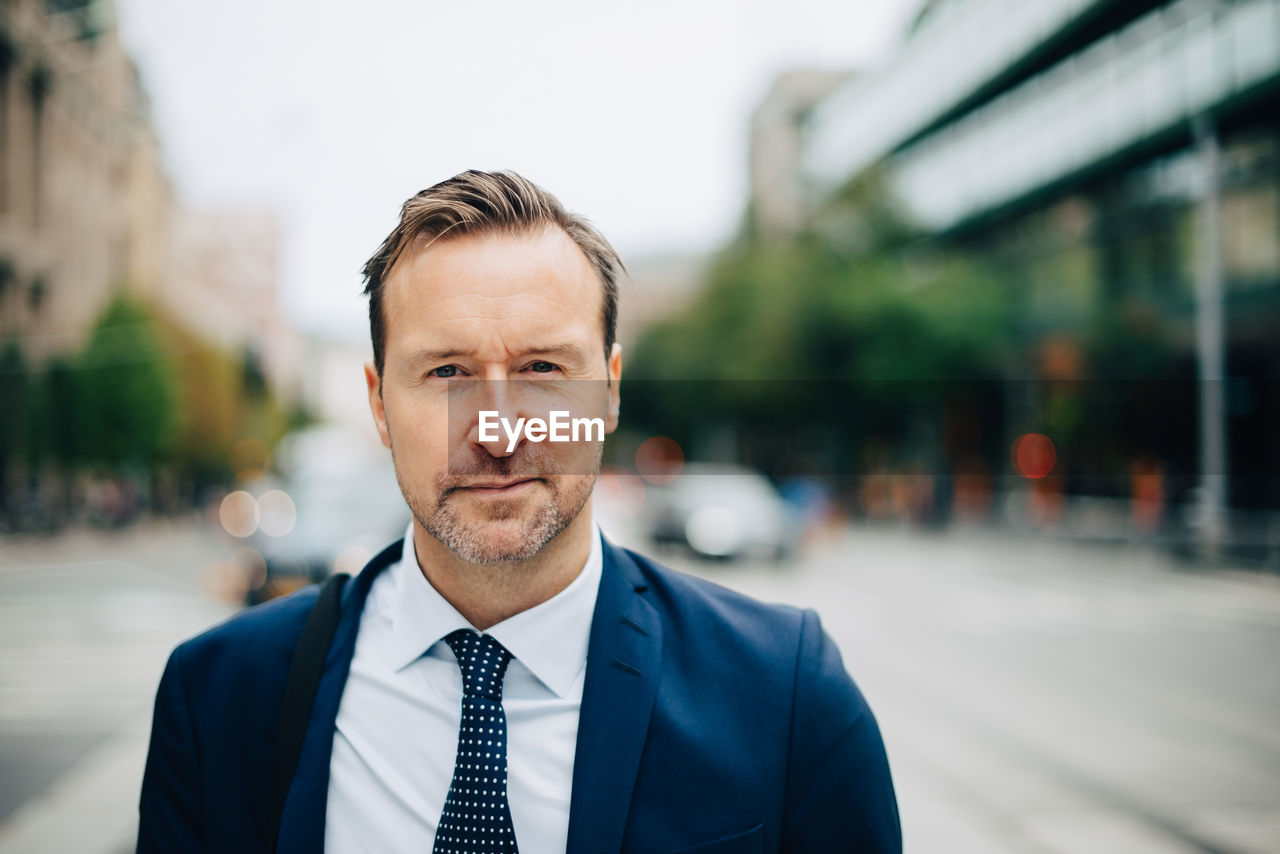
x=93 y=809
x=181 y=548
x=87 y=619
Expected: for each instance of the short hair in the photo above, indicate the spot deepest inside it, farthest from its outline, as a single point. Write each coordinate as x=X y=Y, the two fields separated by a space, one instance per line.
x=475 y=202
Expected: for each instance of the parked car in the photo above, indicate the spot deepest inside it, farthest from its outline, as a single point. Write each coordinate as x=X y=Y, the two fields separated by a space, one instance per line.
x=721 y=511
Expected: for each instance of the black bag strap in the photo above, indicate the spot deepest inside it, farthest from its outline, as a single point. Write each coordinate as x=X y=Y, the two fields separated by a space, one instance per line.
x=300 y=693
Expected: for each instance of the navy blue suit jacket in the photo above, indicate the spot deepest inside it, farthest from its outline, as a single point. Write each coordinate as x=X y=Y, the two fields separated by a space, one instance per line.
x=710 y=723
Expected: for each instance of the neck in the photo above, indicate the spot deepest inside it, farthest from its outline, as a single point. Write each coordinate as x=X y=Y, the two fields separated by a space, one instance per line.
x=486 y=594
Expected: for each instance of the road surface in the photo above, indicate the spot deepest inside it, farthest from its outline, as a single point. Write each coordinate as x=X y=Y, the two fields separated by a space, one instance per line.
x=1039 y=696
x=1036 y=696
x=86 y=623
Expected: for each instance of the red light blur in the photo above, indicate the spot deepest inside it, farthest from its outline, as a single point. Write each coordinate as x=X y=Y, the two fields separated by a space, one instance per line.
x=659 y=459
x=1034 y=455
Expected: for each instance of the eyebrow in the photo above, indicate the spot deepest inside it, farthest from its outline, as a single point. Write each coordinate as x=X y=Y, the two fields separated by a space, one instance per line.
x=420 y=357
x=557 y=351
x=426 y=356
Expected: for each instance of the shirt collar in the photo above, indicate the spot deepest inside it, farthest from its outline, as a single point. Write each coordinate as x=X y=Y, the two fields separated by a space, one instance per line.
x=550 y=639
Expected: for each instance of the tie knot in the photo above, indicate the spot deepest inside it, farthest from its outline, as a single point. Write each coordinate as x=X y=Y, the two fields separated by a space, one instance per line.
x=483 y=662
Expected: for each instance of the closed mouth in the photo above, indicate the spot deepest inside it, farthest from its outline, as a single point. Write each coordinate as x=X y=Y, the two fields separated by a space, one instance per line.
x=499 y=486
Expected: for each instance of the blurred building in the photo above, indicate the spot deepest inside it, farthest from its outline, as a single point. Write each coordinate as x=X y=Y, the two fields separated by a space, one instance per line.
x=655 y=287
x=777 y=149
x=87 y=208
x=85 y=203
x=224 y=286
x=1119 y=158
x=333 y=386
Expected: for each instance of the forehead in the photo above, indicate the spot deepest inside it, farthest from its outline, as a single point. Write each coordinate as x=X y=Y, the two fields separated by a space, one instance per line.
x=463 y=292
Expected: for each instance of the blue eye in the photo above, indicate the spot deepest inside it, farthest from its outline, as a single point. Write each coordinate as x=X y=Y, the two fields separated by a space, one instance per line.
x=444 y=371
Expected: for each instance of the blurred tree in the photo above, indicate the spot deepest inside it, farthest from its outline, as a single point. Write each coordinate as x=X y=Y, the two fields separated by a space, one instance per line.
x=146 y=399
x=1134 y=386
x=223 y=398
x=210 y=404
x=127 y=390
x=854 y=328
x=15 y=393
x=57 y=437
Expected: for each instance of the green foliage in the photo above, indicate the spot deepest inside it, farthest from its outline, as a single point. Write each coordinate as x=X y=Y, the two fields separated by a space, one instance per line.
x=851 y=327
x=127 y=390
x=143 y=398
x=210 y=404
x=804 y=313
x=54 y=415
x=15 y=388
x=223 y=397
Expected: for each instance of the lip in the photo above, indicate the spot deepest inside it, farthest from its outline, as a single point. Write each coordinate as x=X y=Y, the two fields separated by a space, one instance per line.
x=499 y=488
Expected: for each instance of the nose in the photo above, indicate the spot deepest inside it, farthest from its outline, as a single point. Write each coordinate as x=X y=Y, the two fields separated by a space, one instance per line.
x=495 y=399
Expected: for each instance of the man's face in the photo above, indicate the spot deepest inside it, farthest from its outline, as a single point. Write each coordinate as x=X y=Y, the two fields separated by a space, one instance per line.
x=492 y=322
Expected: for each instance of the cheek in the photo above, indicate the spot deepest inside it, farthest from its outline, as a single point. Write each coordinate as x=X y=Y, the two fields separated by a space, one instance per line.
x=420 y=433
x=577 y=460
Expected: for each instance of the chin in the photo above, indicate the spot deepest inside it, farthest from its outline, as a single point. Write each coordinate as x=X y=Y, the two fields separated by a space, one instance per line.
x=491 y=531
x=480 y=540
x=501 y=535
x=496 y=549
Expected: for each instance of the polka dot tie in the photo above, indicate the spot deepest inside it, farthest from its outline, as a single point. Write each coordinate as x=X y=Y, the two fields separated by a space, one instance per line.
x=476 y=817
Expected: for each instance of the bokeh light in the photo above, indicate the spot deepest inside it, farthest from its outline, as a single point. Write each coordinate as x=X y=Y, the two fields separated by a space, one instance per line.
x=352 y=559
x=278 y=514
x=1034 y=455
x=659 y=460
x=238 y=513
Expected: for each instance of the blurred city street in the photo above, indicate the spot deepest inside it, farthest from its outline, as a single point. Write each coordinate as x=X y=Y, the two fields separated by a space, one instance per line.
x=1041 y=696
x=954 y=320
x=1036 y=695
x=87 y=620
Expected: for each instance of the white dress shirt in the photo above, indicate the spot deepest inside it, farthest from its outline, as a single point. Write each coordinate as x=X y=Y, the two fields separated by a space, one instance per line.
x=397 y=727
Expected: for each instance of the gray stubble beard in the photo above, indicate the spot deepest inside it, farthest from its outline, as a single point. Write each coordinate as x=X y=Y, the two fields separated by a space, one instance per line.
x=549 y=520
x=443 y=523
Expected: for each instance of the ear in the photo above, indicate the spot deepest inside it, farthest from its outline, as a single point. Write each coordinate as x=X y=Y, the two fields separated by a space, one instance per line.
x=374 y=382
x=615 y=380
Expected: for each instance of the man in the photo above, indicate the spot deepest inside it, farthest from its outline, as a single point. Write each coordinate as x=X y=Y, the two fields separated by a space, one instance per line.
x=506 y=679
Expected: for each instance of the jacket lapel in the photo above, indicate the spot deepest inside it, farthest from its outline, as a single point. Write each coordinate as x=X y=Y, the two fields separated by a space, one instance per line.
x=624 y=656
x=302 y=825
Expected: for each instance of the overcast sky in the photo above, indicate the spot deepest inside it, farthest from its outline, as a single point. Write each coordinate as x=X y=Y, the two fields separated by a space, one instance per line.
x=331 y=114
